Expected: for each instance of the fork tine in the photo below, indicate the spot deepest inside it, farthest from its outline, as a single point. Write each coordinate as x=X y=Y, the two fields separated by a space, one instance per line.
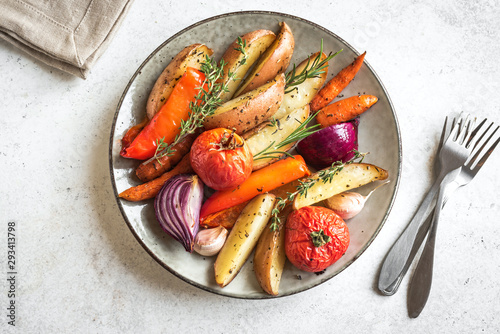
x=474 y=139
x=454 y=132
x=448 y=125
x=484 y=151
x=464 y=130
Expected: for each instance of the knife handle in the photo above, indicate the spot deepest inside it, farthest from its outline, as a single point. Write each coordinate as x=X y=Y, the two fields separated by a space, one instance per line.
x=395 y=261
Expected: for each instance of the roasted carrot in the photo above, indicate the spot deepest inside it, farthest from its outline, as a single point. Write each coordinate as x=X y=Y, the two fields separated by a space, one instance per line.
x=150 y=189
x=154 y=167
x=336 y=84
x=261 y=181
x=345 y=110
x=133 y=132
x=227 y=217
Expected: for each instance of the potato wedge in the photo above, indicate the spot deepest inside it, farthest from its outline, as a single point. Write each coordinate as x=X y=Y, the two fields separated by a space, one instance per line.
x=249 y=110
x=190 y=56
x=351 y=176
x=269 y=258
x=272 y=62
x=304 y=92
x=275 y=133
x=243 y=238
x=256 y=44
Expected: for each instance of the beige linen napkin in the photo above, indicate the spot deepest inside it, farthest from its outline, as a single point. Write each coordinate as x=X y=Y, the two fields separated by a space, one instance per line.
x=67 y=34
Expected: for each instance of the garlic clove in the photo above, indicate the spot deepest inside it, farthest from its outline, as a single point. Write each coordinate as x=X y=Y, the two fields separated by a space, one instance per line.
x=349 y=204
x=209 y=242
x=346 y=205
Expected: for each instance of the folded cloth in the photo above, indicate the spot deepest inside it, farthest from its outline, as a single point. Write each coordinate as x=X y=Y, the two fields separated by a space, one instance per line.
x=67 y=34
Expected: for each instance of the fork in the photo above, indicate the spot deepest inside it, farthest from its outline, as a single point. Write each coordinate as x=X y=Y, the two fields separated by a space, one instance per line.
x=482 y=150
x=450 y=121
x=455 y=152
x=395 y=263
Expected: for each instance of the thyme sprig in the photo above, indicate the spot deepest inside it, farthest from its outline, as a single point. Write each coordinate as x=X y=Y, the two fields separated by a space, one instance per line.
x=325 y=175
x=242 y=44
x=206 y=101
x=317 y=67
x=299 y=133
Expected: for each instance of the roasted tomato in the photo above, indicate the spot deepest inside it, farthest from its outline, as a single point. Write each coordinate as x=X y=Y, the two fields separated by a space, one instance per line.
x=221 y=159
x=315 y=238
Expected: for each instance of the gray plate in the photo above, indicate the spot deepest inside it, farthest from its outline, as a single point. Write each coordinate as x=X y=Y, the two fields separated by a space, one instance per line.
x=378 y=134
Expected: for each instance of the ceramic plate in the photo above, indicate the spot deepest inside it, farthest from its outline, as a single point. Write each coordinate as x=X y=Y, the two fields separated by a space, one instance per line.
x=378 y=134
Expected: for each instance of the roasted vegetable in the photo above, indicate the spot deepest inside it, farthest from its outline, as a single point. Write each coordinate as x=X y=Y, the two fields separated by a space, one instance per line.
x=150 y=189
x=241 y=55
x=225 y=218
x=333 y=88
x=165 y=124
x=345 y=110
x=210 y=241
x=274 y=61
x=177 y=208
x=348 y=204
x=156 y=166
x=243 y=238
x=315 y=238
x=269 y=136
x=259 y=182
x=351 y=176
x=249 y=110
x=334 y=143
x=221 y=158
x=269 y=259
x=131 y=133
x=191 y=56
x=300 y=94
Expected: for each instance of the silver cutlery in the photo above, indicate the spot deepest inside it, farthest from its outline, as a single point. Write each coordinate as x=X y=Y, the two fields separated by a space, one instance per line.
x=453 y=152
x=483 y=141
x=395 y=262
x=453 y=155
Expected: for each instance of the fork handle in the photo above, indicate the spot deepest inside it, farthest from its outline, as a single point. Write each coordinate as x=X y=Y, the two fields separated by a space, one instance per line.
x=421 y=281
x=395 y=261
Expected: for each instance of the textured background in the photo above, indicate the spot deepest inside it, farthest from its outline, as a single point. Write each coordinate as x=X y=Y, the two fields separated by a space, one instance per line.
x=80 y=268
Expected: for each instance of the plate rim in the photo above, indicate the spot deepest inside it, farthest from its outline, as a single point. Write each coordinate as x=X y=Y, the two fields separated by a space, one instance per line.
x=138 y=71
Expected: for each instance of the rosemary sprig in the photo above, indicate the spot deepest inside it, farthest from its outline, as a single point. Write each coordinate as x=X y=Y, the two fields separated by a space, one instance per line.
x=301 y=132
x=317 y=68
x=325 y=175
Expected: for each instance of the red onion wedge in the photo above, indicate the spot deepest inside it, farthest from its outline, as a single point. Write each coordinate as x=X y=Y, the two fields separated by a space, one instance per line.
x=177 y=208
x=333 y=143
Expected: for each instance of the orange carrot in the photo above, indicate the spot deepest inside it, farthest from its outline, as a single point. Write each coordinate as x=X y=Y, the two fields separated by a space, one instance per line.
x=133 y=132
x=228 y=217
x=225 y=218
x=336 y=85
x=150 y=189
x=261 y=181
x=344 y=110
x=154 y=167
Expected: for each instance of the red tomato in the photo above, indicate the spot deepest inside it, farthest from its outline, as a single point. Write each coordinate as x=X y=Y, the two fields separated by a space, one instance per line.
x=221 y=159
x=315 y=238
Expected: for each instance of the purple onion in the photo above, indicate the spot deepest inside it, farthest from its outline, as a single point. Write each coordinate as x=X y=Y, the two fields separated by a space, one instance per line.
x=177 y=208
x=331 y=144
